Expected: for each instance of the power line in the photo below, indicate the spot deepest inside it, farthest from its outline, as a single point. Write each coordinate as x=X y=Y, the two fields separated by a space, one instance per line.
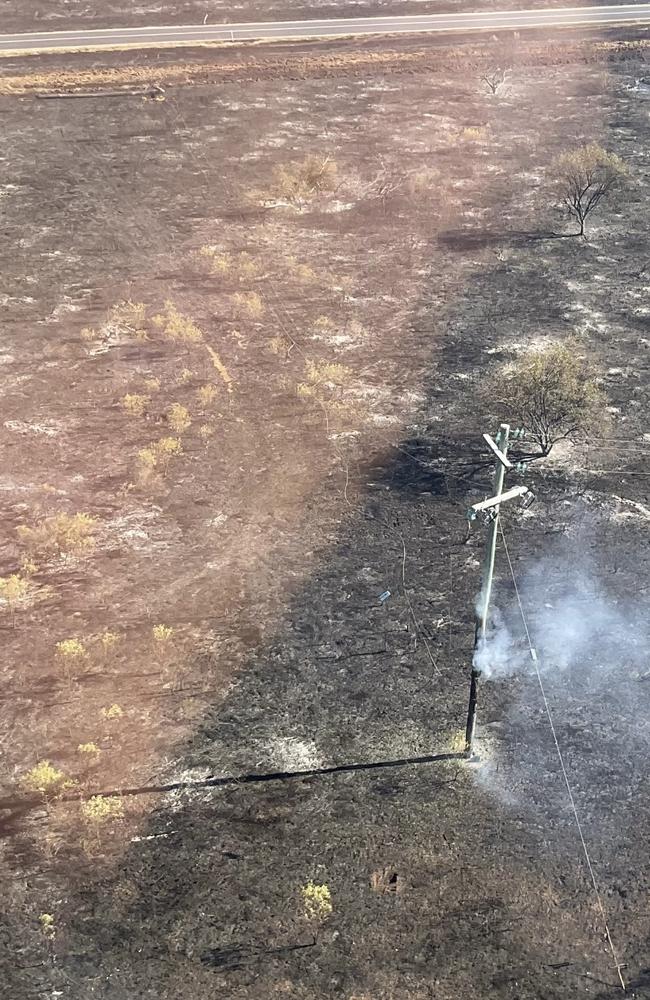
x=533 y=655
x=617 y=472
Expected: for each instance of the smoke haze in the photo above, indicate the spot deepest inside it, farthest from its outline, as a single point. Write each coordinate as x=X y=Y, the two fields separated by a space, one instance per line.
x=577 y=625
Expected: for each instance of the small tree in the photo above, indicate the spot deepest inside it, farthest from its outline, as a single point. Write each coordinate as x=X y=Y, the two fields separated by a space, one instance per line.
x=583 y=177
x=552 y=394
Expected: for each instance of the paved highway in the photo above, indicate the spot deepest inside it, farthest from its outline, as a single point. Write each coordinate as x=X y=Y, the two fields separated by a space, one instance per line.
x=101 y=38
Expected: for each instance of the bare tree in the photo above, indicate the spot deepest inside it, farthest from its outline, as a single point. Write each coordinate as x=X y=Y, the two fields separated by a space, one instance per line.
x=583 y=177
x=494 y=78
x=552 y=394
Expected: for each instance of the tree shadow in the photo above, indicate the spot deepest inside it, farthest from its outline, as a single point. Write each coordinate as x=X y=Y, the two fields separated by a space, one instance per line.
x=241 y=955
x=464 y=240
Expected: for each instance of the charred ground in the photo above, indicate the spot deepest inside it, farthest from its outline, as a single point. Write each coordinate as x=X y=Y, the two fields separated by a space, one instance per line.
x=266 y=543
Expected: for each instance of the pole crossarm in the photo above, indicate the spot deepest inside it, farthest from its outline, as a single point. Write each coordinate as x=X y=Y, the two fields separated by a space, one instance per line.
x=494 y=447
x=516 y=491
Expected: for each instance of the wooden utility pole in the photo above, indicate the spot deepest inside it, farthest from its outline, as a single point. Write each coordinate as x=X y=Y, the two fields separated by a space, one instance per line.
x=491 y=507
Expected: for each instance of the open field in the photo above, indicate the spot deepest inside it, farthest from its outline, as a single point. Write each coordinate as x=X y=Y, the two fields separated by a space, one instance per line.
x=267 y=405
x=54 y=15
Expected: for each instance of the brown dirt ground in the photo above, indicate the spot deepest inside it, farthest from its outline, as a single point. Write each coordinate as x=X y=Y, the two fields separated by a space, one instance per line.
x=337 y=464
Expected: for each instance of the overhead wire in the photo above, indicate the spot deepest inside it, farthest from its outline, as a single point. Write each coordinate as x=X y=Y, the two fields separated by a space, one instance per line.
x=533 y=654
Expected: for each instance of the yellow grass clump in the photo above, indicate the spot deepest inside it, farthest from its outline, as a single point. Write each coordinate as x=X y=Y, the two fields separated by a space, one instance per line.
x=108 y=639
x=207 y=431
x=135 y=403
x=60 y=535
x=317 y=900
x=46 y=920
x=297 y=182
x=206 y=395
x=14 y=591
x=178 y=418
x=157 y=456
x=248 y=304
x=110 y=712
x=162 y=633
x=70 y=653
x=130 y=318
x=474 y=133
x=46 y=779
x=176 y=327
x=100 y=809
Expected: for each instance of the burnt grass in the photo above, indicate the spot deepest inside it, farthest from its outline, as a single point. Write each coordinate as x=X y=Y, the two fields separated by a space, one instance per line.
x=267 y=547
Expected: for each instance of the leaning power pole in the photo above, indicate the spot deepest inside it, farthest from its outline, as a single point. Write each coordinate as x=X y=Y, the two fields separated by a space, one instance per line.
x=490 y=510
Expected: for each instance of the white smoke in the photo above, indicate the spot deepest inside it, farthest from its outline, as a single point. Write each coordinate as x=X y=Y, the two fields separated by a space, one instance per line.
x=576 y=624
x=497 y=654
x=590 y=628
